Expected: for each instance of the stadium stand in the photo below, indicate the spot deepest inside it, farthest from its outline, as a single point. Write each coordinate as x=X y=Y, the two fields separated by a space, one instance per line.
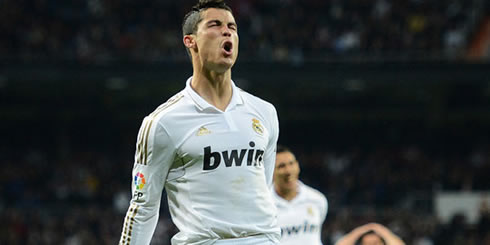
x=68 y=140
x=104 y=30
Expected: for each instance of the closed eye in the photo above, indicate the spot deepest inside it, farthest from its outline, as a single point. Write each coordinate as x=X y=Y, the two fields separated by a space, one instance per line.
x=232 y=26
x=213 y=23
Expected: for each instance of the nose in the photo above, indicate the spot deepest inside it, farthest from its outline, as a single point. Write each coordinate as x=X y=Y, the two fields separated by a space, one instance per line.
x=226 y=31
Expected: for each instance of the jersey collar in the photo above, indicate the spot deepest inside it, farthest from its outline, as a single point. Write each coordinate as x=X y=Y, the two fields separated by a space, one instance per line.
x=300 y=196
x=202 y=104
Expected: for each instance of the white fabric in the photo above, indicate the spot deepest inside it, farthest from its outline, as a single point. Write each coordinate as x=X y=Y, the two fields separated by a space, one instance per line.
x=301 y=219
x=252 y=240
x=216 y=167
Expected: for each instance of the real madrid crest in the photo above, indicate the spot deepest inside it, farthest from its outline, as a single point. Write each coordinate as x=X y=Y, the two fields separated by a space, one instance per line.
x=310 y=211
x=203 y=131
x=257 y=127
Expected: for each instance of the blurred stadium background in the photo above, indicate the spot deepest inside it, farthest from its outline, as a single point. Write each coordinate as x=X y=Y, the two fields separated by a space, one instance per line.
x=387 y=104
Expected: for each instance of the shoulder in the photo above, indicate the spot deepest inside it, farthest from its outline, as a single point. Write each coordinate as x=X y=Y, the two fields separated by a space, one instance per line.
x=263 y=108
x=165 y=111
x=314 y=195
x=256 y=101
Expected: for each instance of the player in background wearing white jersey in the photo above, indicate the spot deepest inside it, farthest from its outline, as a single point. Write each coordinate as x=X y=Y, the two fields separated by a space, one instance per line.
x=301 y=209
x=211 y=146
x=370 y=234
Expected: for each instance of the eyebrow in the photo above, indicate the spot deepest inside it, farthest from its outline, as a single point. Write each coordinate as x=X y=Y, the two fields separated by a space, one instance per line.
x=219 y=22
x=215 y=21
x=286 y=162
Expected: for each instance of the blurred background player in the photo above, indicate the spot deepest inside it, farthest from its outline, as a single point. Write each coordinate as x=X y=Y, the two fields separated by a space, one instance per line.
x=370 y=234
x=301 y=209
x=212 y=146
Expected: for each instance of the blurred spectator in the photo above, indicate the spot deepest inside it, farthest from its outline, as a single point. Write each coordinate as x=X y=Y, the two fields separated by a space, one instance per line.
x=292 y=31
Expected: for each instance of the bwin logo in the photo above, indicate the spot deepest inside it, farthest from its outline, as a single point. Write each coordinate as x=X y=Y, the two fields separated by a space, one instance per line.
x=297 y=229
x=254 y=157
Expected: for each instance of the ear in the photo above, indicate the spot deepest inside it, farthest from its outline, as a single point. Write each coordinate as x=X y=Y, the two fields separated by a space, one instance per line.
x=189 y=41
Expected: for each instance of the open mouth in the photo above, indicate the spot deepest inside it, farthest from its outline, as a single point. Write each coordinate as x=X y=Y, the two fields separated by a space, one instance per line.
x=228 y=47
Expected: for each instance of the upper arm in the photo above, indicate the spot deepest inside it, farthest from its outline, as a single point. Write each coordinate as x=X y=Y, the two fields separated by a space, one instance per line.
x=154 y=155
x=270 y=155
x=324 y=204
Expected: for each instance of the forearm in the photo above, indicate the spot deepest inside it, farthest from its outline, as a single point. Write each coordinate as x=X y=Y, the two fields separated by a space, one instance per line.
x=353 y=236
x=389 y=237
x=139 y=225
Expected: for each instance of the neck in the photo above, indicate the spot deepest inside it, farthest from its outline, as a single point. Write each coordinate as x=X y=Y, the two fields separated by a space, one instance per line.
x=286 y=193
x=213 y=87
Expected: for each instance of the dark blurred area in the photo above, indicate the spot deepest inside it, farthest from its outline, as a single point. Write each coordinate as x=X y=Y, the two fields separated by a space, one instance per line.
x=386 y=104
x=272 y=30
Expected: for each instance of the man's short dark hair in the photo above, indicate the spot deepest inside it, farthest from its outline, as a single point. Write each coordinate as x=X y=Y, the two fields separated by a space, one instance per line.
x=359 y=241
x=281 y=149
x=192 y=19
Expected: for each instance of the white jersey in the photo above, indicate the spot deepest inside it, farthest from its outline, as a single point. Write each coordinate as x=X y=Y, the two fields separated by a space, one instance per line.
x=216 y=167
x=301 y=219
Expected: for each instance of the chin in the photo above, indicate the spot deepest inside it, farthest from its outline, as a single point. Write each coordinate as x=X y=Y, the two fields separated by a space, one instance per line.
x=224 y=66
x=290 y=184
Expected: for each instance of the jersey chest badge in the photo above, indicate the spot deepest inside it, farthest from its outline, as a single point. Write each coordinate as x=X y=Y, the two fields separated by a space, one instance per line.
x=203 y=131
x=257 y=127
x=309 y=210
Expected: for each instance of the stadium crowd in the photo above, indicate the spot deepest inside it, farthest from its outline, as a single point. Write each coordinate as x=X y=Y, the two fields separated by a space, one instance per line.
x=54 y=194
x=81 y=197
x=97 y=31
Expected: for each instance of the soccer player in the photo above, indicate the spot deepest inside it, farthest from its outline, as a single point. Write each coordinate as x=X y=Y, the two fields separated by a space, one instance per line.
x=211 y=146
x=301 y=209
x=370 y=234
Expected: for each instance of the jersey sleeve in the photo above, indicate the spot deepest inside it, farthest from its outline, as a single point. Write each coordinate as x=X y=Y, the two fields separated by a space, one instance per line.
x=324 y=208
x=270 y=152
x=153 y=158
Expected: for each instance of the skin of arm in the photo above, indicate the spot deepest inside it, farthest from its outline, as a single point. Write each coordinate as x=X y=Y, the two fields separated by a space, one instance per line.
x=389 y=237
x=351 y=237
